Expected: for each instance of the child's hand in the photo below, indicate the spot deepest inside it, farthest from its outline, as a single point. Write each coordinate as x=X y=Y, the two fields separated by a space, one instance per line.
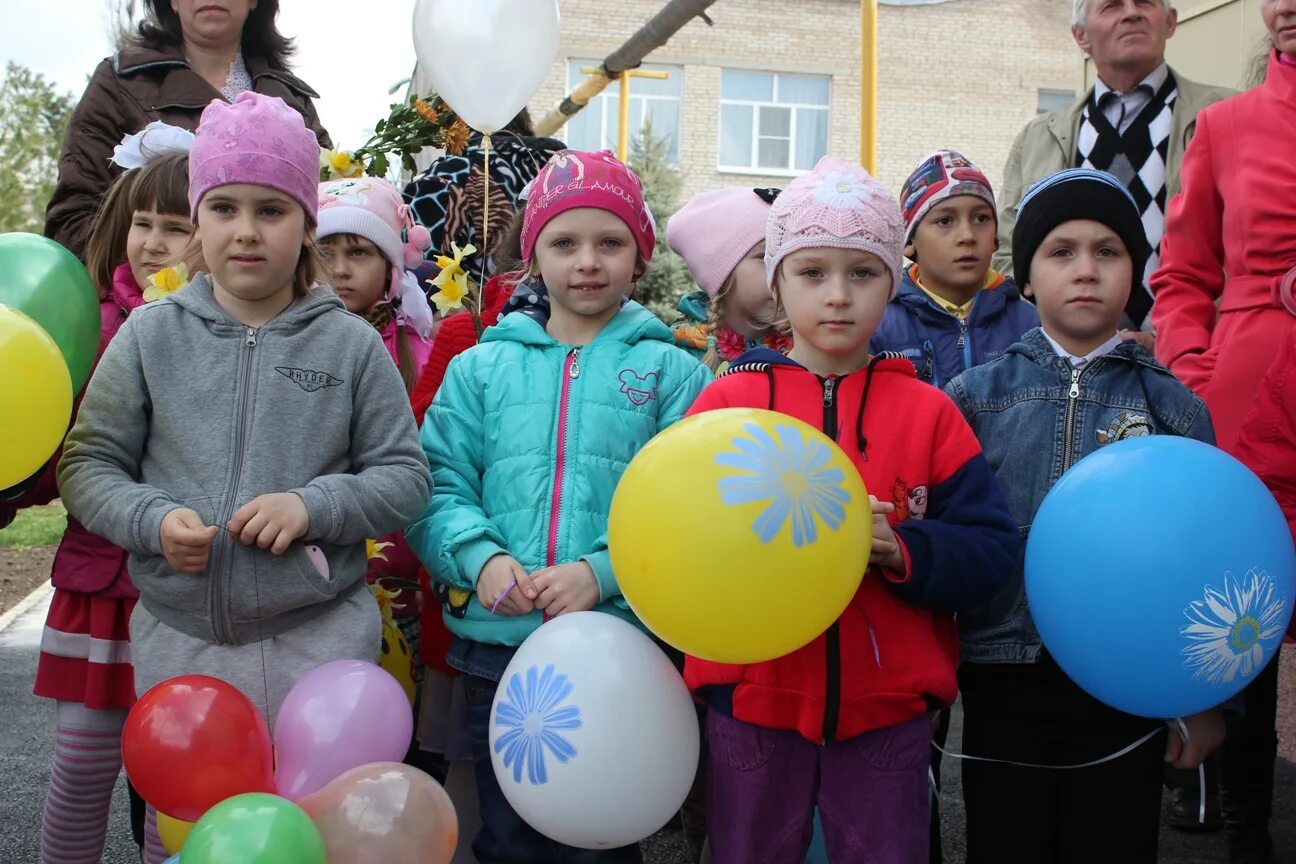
x=885 y=551
x=502 y=587
x=566 y=588
x=186 y=541
x=271 y=521
x=1205 y=733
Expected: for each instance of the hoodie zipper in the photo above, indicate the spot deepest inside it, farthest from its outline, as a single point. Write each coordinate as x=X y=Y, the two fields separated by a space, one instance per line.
x=832 y=638
x=222 y=620
x=965 y=341
x=571 y=371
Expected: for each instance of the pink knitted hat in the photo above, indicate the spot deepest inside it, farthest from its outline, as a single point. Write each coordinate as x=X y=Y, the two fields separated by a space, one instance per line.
x=840 y=206
x=257 y=140
x=576 y=178
x=371 y=208
x=715 y=230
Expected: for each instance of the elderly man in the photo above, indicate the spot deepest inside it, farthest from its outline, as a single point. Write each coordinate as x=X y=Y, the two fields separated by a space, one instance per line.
x=1135 y=123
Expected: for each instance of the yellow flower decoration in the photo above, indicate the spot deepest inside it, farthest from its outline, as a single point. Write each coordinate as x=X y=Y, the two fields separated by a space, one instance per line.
x=384 y=596
x=374 y=549
x=339 y=165
x=166 y=282
x=452 y=281
x=426 y=111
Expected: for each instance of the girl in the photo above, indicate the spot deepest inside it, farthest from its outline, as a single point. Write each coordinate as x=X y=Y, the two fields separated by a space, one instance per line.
x=721 y=236
x=844 y=723
x=237 y=421
x=142 y=227
x=1227 y=261
x=513 y=528
x=370 y=243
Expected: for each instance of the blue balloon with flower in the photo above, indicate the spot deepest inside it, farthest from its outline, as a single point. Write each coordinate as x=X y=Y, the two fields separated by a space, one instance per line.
x=1160 y=573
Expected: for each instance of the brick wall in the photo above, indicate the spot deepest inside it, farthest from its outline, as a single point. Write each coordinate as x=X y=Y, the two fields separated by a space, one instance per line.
x=962 y=74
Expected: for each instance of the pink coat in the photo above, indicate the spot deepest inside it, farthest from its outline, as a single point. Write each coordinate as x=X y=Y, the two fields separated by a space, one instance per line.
x=419 y=346
x=86 y=562
x=1231 y=239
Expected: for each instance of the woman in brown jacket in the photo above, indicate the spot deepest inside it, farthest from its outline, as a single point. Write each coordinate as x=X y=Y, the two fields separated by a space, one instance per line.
x=185 y=54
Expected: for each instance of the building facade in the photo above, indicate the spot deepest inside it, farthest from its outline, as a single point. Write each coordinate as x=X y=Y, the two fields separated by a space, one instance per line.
x=772 y=85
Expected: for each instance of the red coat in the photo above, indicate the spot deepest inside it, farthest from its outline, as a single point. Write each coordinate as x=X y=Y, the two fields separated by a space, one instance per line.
x=456 y=335
x=1231 y=239
x=890 y=657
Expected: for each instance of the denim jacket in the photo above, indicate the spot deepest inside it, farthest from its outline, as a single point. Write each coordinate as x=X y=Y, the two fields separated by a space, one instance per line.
x=1036 y=416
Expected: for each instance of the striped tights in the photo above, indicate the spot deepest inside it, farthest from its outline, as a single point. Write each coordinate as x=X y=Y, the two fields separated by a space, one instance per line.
x=87 y=760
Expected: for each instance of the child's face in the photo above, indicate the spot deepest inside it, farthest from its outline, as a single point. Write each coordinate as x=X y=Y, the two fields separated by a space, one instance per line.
x=953 y=244
x=834 y=298
x=1280 y=19
x=357 y=271
x=1081 y=277
x=251 y=238
x=749 y=305
x=155 y=240
x=588 y=260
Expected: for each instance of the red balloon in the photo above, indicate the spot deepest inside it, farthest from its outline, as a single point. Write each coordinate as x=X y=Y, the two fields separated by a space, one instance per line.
x=193 y=741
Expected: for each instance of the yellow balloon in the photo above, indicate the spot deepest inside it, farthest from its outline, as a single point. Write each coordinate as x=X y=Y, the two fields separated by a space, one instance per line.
x=397 y=658
x=173 y=832
x=35 y=397
x=740 y=535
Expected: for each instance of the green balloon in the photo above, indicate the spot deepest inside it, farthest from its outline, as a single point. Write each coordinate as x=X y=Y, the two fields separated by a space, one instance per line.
x=256 y=828
x=47 y=283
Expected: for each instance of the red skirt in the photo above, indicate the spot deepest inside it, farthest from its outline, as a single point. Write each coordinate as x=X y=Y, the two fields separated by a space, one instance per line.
x=85 y=651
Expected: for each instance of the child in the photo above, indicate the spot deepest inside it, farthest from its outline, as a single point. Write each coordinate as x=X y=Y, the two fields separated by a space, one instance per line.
x=369 y=240
x=142 y=226
x=844 y=722
x=953 y=312
x=1065 y=390
x=237 y=421
x=721 y=237
x=515 y=528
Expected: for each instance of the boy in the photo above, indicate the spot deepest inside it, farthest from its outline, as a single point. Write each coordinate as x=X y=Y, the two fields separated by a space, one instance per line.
x=1079 y=246
x=953 y=312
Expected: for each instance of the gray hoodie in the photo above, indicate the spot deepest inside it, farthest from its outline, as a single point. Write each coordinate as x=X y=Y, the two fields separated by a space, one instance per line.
x=190 y=408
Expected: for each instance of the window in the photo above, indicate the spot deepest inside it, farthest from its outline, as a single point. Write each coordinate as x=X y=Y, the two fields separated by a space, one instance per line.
x=595 y=127
x=771 y=121
x=1050 y=99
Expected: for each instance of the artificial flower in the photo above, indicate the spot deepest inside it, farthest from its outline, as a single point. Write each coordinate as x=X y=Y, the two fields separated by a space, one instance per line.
x=426 y=111
x=456 y=138
x=339 y=165
x=452 y=281
x=166 y=282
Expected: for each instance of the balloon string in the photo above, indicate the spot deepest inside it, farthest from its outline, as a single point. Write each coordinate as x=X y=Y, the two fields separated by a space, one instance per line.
x=1201 y=775
x=485 y=238
x=1129 y=748
x=500 y=599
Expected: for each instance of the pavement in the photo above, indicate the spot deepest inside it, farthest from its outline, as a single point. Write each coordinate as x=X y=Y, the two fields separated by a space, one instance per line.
x=28 y=724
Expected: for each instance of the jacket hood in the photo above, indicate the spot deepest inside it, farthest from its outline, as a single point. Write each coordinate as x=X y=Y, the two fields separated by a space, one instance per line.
x=197 y=298
x=695 y=307
x=633 y=323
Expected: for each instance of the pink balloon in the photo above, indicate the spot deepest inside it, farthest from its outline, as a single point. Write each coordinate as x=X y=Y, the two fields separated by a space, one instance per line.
x=339 y=716
x=383 y=814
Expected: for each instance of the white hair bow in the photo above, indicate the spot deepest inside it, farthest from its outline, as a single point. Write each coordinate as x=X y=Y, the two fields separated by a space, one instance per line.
x=154 y=140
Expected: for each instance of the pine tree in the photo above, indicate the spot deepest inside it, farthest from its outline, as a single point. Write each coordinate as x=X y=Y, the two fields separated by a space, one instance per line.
x=668 y=277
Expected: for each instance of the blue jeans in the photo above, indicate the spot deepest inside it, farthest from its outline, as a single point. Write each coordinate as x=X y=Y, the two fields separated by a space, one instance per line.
x=504 y=838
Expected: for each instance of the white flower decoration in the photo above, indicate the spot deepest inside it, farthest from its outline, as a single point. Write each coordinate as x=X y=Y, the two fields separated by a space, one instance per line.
x=841 y=191
x=1232 y=631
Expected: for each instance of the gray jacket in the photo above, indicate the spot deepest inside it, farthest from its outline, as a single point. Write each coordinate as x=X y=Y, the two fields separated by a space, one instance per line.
x=1047 y=146
x=190 y=408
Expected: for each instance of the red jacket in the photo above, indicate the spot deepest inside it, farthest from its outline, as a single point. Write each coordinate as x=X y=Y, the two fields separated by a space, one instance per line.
x=1268 y=442
x=891 y=655
x=456 y=335
x=1231 y=239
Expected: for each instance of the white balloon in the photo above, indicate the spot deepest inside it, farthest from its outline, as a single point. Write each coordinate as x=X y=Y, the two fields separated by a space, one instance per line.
x=486 y=58
x=593 y=734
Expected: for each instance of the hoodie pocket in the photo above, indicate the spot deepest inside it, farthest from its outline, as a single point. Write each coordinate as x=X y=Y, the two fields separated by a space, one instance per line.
x=275 y=585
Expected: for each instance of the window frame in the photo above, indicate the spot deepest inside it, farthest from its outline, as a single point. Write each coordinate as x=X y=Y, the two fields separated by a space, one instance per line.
x=608 y=137
x=794 y=109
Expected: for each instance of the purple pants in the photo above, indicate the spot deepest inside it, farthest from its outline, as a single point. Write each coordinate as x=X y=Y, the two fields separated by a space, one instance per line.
x=871 y=792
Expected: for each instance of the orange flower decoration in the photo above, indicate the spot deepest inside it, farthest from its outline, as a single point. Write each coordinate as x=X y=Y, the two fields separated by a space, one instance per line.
x=457 y=138
x=426 y=111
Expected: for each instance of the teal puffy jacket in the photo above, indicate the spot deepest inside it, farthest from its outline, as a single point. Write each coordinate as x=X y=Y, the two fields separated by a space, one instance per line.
x=527 y=439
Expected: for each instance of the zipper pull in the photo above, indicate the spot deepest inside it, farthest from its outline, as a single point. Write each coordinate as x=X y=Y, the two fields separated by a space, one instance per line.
x=1075 y=384
x=251 y=337
x=575 y=364
x=962 y=333
x=829 y=385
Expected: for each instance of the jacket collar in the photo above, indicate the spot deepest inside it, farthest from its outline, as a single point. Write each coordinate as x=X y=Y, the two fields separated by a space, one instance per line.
x=1035 y=346
x=759 y=359
x=1281 y=79
x=989 y=301
x=1064 y=123
x=187 y=88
